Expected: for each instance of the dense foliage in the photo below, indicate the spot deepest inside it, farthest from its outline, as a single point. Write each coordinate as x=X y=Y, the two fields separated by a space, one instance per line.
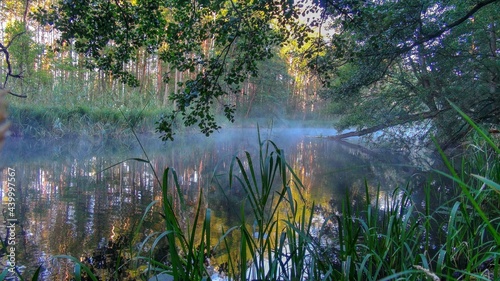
x=399 y=63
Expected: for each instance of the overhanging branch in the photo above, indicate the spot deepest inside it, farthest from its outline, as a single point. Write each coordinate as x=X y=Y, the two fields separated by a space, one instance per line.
x=5 y=51
x=449 y=26
x=411 y=118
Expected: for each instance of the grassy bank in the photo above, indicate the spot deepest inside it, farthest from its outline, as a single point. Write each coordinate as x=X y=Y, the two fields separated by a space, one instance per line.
x=57 y=122
x=95 y=122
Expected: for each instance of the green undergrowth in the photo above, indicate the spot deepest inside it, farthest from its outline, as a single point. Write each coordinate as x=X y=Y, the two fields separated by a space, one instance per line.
x=51 y=122
x=58 y=122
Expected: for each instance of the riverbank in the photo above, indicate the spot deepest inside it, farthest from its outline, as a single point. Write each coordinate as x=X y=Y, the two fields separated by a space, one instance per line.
x=44 y=122
x=56 y=122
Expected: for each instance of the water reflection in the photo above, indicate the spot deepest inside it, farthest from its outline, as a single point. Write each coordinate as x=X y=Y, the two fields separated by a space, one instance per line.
x=74 y=197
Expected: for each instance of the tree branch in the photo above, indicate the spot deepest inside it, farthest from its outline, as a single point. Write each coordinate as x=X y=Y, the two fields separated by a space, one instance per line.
x=17 y=95
x=5 y=51
x=447 y=27
x=411 y=118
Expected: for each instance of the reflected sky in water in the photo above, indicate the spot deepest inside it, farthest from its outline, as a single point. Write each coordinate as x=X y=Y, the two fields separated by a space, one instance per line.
x=77 y=194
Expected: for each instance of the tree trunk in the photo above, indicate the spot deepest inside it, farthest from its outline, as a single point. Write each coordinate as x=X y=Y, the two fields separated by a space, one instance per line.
x=493 y=51
x=143 y=78
x=165 y=94
x=411 y=118
x=252 y=92
x=4 y=123
x=159 y=79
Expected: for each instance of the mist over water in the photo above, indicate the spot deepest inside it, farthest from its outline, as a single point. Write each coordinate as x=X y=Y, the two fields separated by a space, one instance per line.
x=69 y=205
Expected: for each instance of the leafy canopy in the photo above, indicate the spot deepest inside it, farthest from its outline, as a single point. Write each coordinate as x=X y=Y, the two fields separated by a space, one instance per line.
x=395 y=65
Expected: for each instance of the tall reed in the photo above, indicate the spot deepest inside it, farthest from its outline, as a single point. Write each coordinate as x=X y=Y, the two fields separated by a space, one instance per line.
x=278 y=245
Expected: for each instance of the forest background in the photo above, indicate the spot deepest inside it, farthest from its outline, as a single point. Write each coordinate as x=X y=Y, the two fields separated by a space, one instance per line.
x=63 y=96
x=384 y=67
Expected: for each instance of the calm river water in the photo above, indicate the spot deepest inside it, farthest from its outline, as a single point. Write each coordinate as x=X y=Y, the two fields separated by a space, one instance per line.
x=66 y=203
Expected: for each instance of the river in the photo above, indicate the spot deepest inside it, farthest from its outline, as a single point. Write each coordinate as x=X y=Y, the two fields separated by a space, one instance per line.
x=74 y=196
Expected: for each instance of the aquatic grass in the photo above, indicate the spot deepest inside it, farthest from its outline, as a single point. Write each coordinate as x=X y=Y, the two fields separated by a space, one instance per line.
x=305 y=254
x=472 y=229
x=187 y=255
x=472 y=233
x=380 y=237
x=4 y=275
x=189 y=246
x=258 y=199
x=274 y=235
x=466 y=189
x=78 y=267
x=381 y=241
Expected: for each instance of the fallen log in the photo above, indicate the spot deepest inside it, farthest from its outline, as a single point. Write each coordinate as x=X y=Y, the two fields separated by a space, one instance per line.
x=392 y=123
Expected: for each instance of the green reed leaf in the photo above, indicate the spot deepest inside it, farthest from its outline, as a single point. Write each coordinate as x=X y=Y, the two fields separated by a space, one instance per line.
x=495 y=186
x=78 y=267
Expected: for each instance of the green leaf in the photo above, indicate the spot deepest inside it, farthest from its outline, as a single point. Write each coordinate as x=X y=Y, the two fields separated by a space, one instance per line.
x=495 y=186
x=480 y=131
x=78 y=267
